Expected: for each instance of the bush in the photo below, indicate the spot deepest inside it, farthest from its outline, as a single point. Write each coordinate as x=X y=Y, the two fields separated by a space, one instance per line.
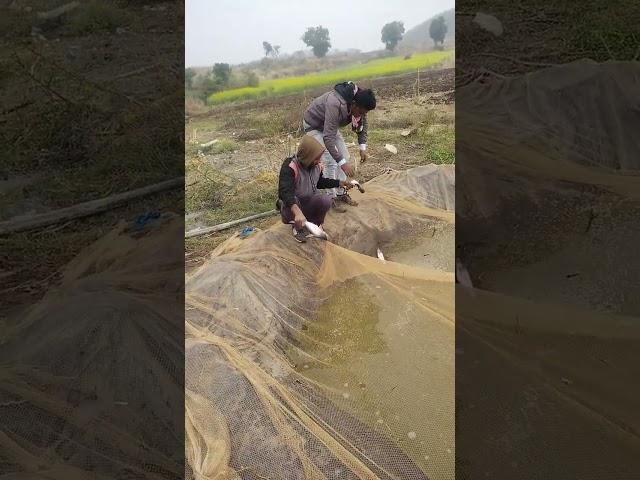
x=223 y=146
x=252 y=79
x=206 y=193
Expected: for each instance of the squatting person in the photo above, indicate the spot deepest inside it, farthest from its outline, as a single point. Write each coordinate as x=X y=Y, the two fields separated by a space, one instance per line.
x=301 y=176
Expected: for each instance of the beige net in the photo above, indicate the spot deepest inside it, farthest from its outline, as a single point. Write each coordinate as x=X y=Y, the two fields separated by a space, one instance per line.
x=92 y=375
x=320 y=360
x=547 y=211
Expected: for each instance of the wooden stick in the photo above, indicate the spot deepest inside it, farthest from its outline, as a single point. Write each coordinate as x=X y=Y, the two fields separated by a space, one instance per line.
x=56 y=12
x=28 y=222
x=223 y=226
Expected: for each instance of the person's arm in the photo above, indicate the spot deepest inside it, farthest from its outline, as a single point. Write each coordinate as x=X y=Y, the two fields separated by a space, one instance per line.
x=287 y=185
x=324 y=182
x=330 y=131
x=327 y=182
x=362 y=139
x=298 y=217
x=362 y=135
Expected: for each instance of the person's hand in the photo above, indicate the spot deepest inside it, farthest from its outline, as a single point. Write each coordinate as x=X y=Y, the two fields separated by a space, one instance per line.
x=346 y=184
x=363 y=156
x=347 y=168
x=299 y=220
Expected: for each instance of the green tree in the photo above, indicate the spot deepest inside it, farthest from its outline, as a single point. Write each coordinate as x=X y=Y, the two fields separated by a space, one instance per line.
x=268 y=49
x=438 y=30
x=189 y=75
x=318 y=39
x=276 y=51
x=221 y=73
x=392 y=34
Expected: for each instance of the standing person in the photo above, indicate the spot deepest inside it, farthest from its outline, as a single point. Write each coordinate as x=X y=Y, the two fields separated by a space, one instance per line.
x=345 y=104
x=300 y=179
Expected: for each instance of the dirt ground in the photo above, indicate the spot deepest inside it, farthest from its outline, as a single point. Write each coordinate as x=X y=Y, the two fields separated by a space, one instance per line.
x=85 y=113
x=415 y=113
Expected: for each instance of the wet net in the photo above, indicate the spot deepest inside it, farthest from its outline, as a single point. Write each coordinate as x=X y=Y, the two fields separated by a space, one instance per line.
x=321 y=360
x=546 y=208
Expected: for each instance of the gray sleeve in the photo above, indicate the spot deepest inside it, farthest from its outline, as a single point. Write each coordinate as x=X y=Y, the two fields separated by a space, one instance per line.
x=331 y=125
x=362 y=136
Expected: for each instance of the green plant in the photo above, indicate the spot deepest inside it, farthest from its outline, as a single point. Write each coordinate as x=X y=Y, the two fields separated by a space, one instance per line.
x=438 y=143
x=223 y=146
x=438 y=30
x=221 y=73
x=189 y=75
x=206 y=191
x=371 y=69
x=392 y=34
x=318 y=39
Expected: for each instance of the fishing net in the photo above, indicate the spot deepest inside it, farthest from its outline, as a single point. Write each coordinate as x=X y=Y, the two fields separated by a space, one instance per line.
x=546 y=210
x=92 y=375
x=321 y=360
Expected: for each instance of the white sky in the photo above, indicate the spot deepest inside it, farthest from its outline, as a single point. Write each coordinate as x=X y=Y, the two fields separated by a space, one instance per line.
x=232 y=31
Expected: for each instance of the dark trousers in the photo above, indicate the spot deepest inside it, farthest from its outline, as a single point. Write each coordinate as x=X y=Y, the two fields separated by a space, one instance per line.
x=314 y=208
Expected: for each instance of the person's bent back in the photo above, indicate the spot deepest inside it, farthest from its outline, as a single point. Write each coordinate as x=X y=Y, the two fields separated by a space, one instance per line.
x=345 y=104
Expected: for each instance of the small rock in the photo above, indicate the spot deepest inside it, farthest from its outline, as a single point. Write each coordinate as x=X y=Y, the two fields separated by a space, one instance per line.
x=391 y=148
x=407 y=132
x=489 y=23
x=411 y=435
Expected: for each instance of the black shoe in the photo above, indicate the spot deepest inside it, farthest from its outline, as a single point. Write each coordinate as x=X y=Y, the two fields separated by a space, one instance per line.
x=347 y=199
x=299 y=235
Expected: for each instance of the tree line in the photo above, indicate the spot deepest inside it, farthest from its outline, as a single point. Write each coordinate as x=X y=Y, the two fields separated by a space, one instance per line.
x=319 y=41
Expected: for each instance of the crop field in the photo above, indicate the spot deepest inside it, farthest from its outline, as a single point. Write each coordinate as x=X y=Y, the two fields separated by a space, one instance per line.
x=375 y=68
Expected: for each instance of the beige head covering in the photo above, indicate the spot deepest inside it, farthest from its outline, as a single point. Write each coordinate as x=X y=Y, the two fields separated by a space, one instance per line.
x=309 y=150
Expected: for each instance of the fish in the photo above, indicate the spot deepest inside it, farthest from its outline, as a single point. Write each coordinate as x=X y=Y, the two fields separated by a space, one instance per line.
x=316 y=231
x=356 y=184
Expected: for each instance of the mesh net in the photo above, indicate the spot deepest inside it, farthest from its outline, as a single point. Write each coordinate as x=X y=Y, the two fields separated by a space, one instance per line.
x=92 y=374
x=547 y=205
x=320 y=360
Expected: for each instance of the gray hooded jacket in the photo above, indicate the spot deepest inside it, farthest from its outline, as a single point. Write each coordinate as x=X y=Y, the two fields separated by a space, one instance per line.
x=327 y=113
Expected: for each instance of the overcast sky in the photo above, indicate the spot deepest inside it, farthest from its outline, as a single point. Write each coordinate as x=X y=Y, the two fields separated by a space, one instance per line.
x=232 y=31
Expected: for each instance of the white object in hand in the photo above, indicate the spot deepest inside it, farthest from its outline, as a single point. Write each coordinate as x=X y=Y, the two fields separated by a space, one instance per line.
x=316 y=231
x=356 y=184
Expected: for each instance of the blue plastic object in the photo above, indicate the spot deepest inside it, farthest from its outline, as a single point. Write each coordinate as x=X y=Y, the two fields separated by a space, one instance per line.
x=246 y=231
x=144 y=220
